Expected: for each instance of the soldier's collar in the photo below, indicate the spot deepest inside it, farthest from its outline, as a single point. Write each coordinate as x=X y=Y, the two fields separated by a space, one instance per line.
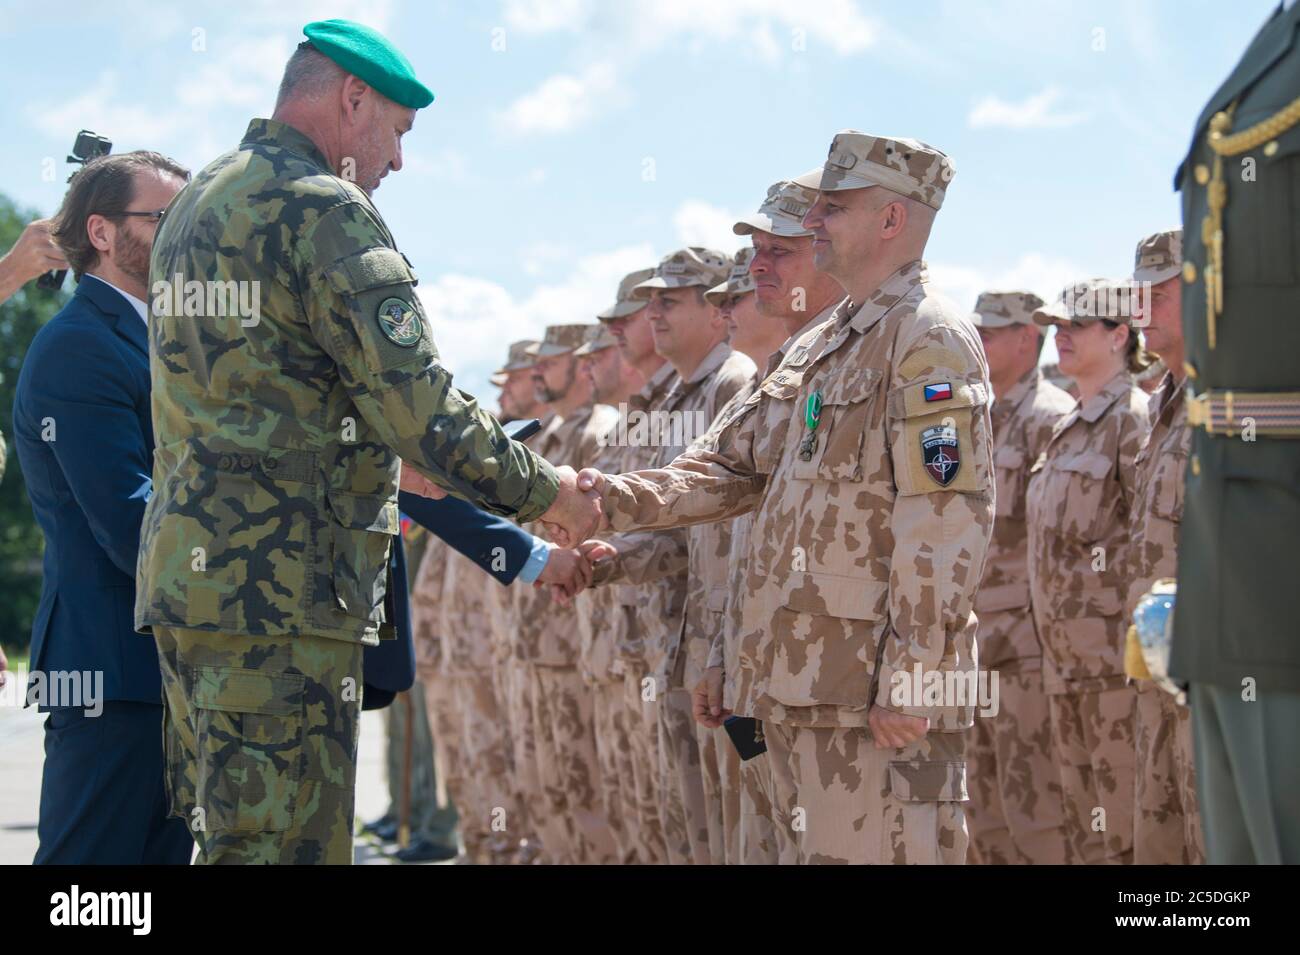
x=711 y=363
x=1100 y=403
x=269 y=132
x=1021 y=389
x=892 y=291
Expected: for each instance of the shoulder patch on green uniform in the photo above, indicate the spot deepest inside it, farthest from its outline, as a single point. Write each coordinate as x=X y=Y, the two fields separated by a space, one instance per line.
x=399 y=322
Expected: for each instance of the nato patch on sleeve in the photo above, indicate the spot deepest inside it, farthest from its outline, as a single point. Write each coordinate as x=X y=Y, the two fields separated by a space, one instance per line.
x=938 y=436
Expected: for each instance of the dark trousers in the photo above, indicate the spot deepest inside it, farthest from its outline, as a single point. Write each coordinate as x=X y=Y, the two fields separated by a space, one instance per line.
x=1247 y=774
x=102 y=796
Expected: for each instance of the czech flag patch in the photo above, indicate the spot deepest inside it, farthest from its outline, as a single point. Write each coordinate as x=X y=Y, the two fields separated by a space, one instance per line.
x=939 y=392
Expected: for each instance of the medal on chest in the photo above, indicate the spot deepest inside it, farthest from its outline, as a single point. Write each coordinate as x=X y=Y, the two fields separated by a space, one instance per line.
x=812 y=418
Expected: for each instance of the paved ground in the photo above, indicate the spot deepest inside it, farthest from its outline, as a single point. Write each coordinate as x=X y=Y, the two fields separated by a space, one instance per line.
x=22 y=753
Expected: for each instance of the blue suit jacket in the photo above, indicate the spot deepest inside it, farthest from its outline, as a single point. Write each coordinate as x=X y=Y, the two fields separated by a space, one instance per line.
x=85 y=378
x=390 y=667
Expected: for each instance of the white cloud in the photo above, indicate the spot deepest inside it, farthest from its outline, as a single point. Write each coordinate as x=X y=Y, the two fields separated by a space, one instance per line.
x=245 y=74
x=1035 y=112
x=1033 y=271
x=98 y=109
x=770 y=28
x=474 y=319
x=562 y=101
x=699 y=223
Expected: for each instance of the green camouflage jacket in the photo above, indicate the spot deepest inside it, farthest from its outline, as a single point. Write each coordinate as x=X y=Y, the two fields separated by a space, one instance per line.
x=293 y=370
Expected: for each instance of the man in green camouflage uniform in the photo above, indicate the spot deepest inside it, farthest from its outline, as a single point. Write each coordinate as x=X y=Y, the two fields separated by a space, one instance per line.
x=281 y=434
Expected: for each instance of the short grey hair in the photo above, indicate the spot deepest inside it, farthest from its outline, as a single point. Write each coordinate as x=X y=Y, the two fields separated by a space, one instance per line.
x=308 y=73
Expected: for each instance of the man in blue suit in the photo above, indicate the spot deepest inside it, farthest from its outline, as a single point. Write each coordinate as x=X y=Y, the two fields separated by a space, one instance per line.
x=84 y=439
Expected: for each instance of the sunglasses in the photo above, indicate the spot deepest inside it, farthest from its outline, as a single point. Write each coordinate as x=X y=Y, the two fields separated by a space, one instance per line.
x=153 y=216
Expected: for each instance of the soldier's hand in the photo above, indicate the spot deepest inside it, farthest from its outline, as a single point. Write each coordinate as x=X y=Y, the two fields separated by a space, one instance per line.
x=34 y=253
x=590 y=479
x=892 y=730
x=706 y=700
x=413 y=482
x=574 y=514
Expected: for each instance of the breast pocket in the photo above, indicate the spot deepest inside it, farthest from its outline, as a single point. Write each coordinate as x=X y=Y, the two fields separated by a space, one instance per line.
x=1167 y=486
x=1082 y=492
x=833 y=450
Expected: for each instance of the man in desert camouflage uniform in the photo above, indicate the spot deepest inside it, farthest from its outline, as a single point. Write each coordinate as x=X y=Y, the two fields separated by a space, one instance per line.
x=613 y=382
x=1015 y=806
x=865 y=458
x=1166 y=821
x=281 y=435
x=639 y=554
x=689 y=333
x=571 y=818
x=763 y=323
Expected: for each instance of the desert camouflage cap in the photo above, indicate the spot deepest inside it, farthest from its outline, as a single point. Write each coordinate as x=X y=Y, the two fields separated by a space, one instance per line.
x=906 y=166
x=625 y=304
x=738 y=282
x=685 y=268
x=1159 y=257
x=999 y=309
x=517 y=359
x=1090 y=301
x=782 y=211
x=599 y=337
x=559 y=340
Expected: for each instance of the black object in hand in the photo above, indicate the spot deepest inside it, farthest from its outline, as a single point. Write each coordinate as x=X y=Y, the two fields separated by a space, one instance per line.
x=746 y=735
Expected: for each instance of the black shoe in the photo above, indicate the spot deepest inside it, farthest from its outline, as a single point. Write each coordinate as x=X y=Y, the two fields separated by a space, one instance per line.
x=384 y=830
x=422 y=850
x=376 y=824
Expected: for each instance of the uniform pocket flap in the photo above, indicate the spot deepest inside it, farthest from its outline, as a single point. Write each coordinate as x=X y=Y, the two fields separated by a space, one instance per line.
x=849 y=389
x=363 y=512
x=935 y=395
x=373 y=268
x=1089 y=463
x=834 y=596
x=235 y=690
x=928 y=780
x=1004 y=597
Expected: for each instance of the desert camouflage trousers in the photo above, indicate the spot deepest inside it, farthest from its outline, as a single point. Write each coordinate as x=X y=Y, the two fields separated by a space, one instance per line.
x=514 y=691
x=260 y=739
x=720 y=775
x=1093 y=735
x=644 y=826
x=1167 y=821
x=572 y=818
x=610 y=719
x=1015 y=810
x=471 y=743
x=840 y=800
x=682 y=807
x=758 y=842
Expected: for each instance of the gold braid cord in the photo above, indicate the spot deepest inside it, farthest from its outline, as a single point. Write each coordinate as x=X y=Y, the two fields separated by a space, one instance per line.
x=1223 y=143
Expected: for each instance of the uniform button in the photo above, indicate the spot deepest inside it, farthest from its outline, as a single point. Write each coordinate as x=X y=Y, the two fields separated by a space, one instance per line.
x=270 y=464
x=224 y=462
x=1189 y=272
x=246 y=463
x=1190 y=369
x=1270 y=148
x=1196 y=465
x=1202 y=173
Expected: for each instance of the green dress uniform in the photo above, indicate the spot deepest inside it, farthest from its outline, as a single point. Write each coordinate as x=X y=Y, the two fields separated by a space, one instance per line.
x=264 y=552
x=1236 y=640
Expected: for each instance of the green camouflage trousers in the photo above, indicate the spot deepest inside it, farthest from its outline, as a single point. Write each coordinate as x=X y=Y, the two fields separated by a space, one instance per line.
x=260 y=737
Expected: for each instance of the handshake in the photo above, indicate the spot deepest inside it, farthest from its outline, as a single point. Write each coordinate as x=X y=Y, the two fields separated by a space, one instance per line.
x=571 y=570
x=573 y=516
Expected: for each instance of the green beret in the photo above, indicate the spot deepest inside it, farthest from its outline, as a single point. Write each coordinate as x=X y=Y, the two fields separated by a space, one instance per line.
x=368 y=55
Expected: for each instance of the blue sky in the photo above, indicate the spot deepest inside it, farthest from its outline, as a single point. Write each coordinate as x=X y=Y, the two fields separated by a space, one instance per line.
x=572 y=141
